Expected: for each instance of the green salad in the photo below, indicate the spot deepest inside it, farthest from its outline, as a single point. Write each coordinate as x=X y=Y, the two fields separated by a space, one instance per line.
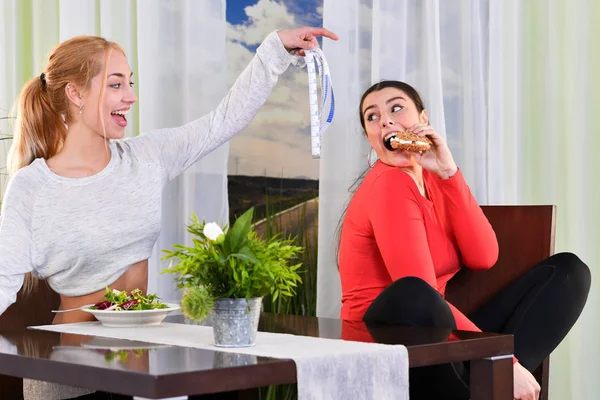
x=123 y=355
x=122 y=301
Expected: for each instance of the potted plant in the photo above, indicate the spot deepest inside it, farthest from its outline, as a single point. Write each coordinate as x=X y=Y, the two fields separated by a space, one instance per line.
x=227 y=272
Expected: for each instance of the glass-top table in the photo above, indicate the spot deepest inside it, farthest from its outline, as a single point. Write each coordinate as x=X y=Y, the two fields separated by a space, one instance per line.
x=159 y=371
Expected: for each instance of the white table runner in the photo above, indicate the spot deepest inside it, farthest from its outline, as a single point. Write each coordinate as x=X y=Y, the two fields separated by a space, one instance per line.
x=327 y=369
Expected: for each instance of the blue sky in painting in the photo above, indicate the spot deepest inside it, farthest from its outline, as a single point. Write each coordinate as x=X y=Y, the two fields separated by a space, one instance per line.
x=277 y=142
x=304 y=11
x=235 y=11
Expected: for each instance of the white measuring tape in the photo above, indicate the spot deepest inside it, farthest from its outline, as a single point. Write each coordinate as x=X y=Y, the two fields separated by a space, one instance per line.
x=315 y=62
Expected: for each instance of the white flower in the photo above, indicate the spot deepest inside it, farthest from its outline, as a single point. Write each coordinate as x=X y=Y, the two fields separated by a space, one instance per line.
x=212 y=231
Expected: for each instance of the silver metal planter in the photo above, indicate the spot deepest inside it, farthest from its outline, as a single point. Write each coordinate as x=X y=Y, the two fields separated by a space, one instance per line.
x=235 y=322
x=227 y=360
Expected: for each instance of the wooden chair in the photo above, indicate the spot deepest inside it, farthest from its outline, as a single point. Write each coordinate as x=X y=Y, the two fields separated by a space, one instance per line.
x=34 y=309
x=526 y=237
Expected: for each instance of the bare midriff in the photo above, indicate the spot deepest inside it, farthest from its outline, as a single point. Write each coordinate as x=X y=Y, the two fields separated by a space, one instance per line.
x=136 y=277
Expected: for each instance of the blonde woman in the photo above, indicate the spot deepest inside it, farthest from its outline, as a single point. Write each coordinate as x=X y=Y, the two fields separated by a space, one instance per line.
x=82 y=208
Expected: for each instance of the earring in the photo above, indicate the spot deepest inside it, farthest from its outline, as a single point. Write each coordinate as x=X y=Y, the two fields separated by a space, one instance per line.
x=81 y=108
x=369 y=156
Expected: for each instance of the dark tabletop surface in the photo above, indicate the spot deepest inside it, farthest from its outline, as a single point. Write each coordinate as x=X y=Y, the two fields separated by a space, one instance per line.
x=151 y=370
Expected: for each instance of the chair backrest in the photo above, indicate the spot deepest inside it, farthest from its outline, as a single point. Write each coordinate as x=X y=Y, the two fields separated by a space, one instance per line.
x=525 y=236
x=34 y=309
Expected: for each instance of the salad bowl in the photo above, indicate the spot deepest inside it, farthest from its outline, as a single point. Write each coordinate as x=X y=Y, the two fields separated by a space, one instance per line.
x=132 y=318
x=125 y=310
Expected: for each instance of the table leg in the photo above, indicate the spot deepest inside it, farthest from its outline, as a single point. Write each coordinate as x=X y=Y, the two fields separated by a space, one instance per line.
x=248 y=394
x=492 y=378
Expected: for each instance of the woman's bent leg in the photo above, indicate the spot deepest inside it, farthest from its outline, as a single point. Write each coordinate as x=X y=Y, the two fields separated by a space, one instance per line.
x=539 y=308
x=411 y=301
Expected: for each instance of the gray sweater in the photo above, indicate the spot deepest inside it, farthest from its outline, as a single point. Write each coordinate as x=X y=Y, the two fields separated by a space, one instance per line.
x=82 y=234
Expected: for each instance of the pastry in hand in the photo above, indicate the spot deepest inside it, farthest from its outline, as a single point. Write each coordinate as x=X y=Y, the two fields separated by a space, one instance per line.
x=407 y=141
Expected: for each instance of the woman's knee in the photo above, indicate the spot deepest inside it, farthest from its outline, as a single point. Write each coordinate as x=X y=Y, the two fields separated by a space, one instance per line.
x=414 y=284
x=571 y=269
x=411 y=301
x=414 y=289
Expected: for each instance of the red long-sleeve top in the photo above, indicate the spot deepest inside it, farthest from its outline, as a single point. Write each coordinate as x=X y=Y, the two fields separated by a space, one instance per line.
x=391 y=231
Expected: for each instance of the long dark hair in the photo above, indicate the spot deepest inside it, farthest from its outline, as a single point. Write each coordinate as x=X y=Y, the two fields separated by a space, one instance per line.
x=414 y=95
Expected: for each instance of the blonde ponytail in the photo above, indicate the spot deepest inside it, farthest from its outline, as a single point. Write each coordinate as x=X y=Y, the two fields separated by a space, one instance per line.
x=43 y=112
x=39 y=131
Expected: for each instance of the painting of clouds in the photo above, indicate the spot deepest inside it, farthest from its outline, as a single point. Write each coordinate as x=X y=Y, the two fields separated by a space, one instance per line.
x=277 y=142
x=270 y=165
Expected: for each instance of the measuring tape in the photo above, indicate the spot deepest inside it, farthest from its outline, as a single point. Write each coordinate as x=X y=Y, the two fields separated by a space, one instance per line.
x=315 y=62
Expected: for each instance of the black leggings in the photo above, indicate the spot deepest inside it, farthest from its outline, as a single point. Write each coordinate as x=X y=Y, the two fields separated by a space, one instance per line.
x=538 y=308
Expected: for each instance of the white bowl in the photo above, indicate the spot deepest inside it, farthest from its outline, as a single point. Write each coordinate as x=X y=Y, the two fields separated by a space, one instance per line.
x=132 y=318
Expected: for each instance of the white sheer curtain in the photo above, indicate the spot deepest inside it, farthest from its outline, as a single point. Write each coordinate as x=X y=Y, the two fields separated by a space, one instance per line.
x=186 y=77
x=176 y=49
x=343 y=148
x=513 y=86
x=550 y=94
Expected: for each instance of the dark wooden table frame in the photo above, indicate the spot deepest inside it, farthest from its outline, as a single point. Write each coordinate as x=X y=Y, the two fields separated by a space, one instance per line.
x=490 y=356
